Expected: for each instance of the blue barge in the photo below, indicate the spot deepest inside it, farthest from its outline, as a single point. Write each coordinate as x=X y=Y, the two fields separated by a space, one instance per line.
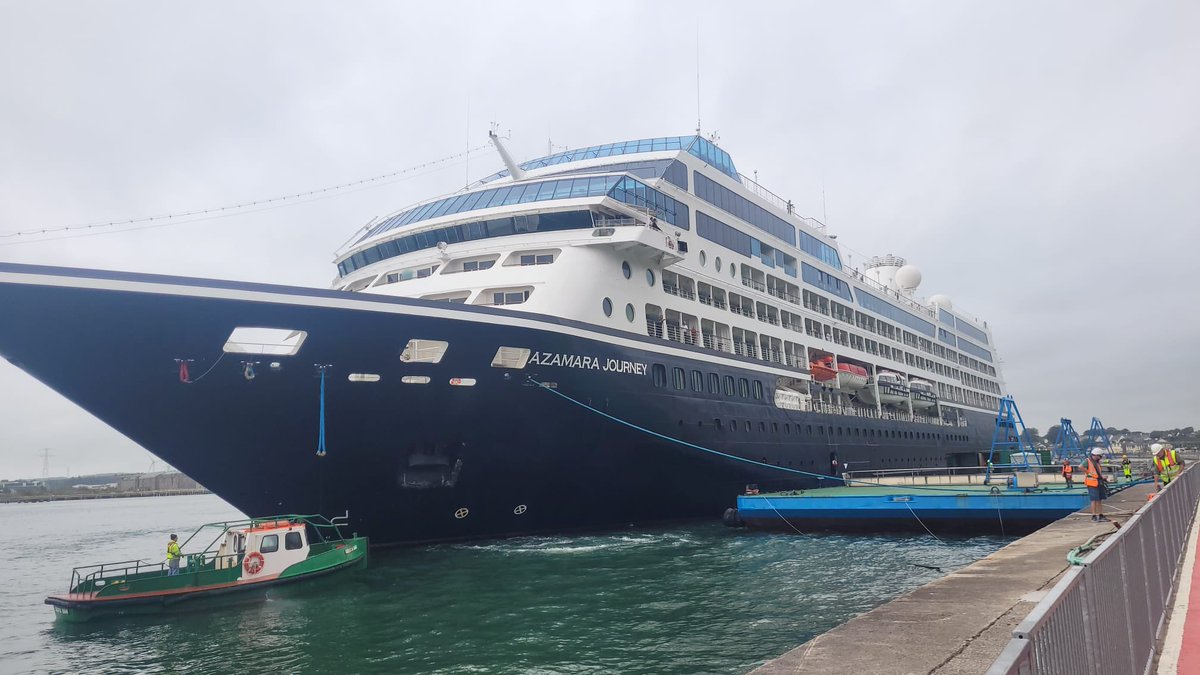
x=950 y=508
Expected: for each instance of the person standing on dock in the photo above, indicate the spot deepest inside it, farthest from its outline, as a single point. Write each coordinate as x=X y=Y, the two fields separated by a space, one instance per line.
x=173 y=555
x=1127 y=467
x=1068 y=472
x=1096 y=484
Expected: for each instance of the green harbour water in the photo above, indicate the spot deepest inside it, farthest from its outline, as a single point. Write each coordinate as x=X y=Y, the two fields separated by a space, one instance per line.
x=694 y=598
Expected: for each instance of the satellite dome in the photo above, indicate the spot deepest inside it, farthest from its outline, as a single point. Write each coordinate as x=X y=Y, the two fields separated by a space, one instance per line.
x=908 y=277
x=942 y=301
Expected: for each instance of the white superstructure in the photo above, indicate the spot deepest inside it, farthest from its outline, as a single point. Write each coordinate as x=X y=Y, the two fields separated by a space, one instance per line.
x=662 y=237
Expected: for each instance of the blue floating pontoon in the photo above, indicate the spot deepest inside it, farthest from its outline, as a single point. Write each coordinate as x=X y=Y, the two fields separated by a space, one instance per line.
x=972 y=508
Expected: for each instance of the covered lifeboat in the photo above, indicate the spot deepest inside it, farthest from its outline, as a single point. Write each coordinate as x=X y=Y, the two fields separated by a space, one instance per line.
x=923 y=394
x=851 y=377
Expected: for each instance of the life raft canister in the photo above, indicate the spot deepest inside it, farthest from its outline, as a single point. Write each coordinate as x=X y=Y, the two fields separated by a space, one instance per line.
x=253 y=563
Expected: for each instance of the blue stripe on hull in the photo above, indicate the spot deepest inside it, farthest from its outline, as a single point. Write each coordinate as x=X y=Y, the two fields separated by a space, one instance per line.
x=530 y=461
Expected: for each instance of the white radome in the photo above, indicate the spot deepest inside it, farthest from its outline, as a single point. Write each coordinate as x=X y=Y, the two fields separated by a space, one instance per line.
x=942 y=301
x=908 y=277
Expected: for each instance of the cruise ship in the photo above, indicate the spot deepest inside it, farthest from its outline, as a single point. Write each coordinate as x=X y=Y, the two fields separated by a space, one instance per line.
x=617 y=334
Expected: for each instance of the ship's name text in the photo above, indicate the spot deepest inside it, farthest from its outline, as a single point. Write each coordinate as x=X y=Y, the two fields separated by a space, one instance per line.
x=587 y=362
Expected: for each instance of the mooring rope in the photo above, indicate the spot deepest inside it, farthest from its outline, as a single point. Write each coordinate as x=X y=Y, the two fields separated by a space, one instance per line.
x=914 y=515
x=768 y=501
x=726 y=455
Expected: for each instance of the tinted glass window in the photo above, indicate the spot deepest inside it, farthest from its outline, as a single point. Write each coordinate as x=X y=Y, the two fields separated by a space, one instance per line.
x=677 y=378
x=660 y=375
x=729 y=385
x=744 y=387
x=292 y=541
x=714 y=383
x=269 y=544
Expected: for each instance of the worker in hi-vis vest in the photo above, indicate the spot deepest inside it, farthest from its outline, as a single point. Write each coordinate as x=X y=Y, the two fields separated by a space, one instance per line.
x=1127 y=467
x=1068 y=472
x=173 y=554
x=1093 y=478
x=1167 y=464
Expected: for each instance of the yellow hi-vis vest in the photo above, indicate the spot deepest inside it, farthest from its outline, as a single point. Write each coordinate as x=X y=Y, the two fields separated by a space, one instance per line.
x=173 y=550
x=1167 y=463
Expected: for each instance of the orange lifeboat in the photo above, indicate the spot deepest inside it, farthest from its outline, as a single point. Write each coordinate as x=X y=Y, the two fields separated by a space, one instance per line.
x=823 y=369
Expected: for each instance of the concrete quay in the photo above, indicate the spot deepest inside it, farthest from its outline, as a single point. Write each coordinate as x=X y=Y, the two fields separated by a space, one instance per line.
x=957 y=624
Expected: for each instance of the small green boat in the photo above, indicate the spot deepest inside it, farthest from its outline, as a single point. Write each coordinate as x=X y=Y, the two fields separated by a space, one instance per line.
x=244 y=556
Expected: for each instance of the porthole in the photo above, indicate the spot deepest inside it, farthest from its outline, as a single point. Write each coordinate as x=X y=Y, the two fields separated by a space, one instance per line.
x=717 y=263
x=629 y=312
x=626 y=270
x=650 y=276
x=607 y=305
x=703 y=258
x=733 y=269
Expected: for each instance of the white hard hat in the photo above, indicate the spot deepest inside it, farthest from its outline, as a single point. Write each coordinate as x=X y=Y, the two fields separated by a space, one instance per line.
x=1097 y=451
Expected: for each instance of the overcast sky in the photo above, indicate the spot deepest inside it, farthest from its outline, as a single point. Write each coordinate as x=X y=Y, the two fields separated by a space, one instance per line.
x=1038 y=161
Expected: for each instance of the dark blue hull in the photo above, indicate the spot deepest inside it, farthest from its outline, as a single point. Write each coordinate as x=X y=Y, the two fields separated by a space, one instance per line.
x=414 y=462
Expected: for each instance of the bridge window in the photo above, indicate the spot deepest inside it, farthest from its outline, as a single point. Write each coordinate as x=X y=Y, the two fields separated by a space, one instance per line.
x=269 y=544
x=292 y=541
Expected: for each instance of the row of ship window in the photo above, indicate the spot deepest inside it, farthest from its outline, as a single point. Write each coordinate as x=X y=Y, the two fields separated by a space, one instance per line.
x=743 y=387
x=682 y=286
x=840 y=432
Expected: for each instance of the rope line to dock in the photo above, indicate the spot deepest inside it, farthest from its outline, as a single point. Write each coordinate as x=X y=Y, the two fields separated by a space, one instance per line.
x=727 y=455
x=914 y=515
x=768 y=501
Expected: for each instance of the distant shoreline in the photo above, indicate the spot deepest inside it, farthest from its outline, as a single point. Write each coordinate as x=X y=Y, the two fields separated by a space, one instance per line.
x=24 y=499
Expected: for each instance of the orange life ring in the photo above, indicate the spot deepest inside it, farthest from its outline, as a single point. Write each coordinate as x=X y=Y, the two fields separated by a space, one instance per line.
x=253 y=563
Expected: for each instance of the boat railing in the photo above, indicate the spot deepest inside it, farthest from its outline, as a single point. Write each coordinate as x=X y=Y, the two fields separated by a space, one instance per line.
x=90 y=578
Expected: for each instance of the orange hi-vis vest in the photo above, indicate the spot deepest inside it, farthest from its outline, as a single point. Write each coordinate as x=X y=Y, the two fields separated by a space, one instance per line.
x=1067 y=468
x=1092 y=479
x=1167 y=462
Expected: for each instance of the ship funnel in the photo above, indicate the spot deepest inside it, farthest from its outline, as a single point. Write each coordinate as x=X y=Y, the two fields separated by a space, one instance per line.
x=513 y=170
x=882 y=270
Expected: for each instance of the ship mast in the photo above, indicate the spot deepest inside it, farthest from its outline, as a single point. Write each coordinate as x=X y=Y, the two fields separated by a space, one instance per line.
x=513 y=170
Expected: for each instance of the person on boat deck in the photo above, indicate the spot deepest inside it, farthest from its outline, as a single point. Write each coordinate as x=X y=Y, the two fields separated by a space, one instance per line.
x=1097 y=485
x=1068 y=472
x=1127 y=467
x=173 y=555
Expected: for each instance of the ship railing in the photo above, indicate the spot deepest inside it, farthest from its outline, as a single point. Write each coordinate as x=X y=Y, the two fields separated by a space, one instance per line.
x=706 y=299
x=616 y=222
x=686 y=294
x=779 y=202
x=670 y=289
x=971 y=474
x=1113 y=601
x=718 y=303
x=654 y=328
x=756 y=285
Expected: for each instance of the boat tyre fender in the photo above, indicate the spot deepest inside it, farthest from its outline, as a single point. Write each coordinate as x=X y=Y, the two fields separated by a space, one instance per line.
x=253 y=563
x=995 y=490
x=732 y=518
